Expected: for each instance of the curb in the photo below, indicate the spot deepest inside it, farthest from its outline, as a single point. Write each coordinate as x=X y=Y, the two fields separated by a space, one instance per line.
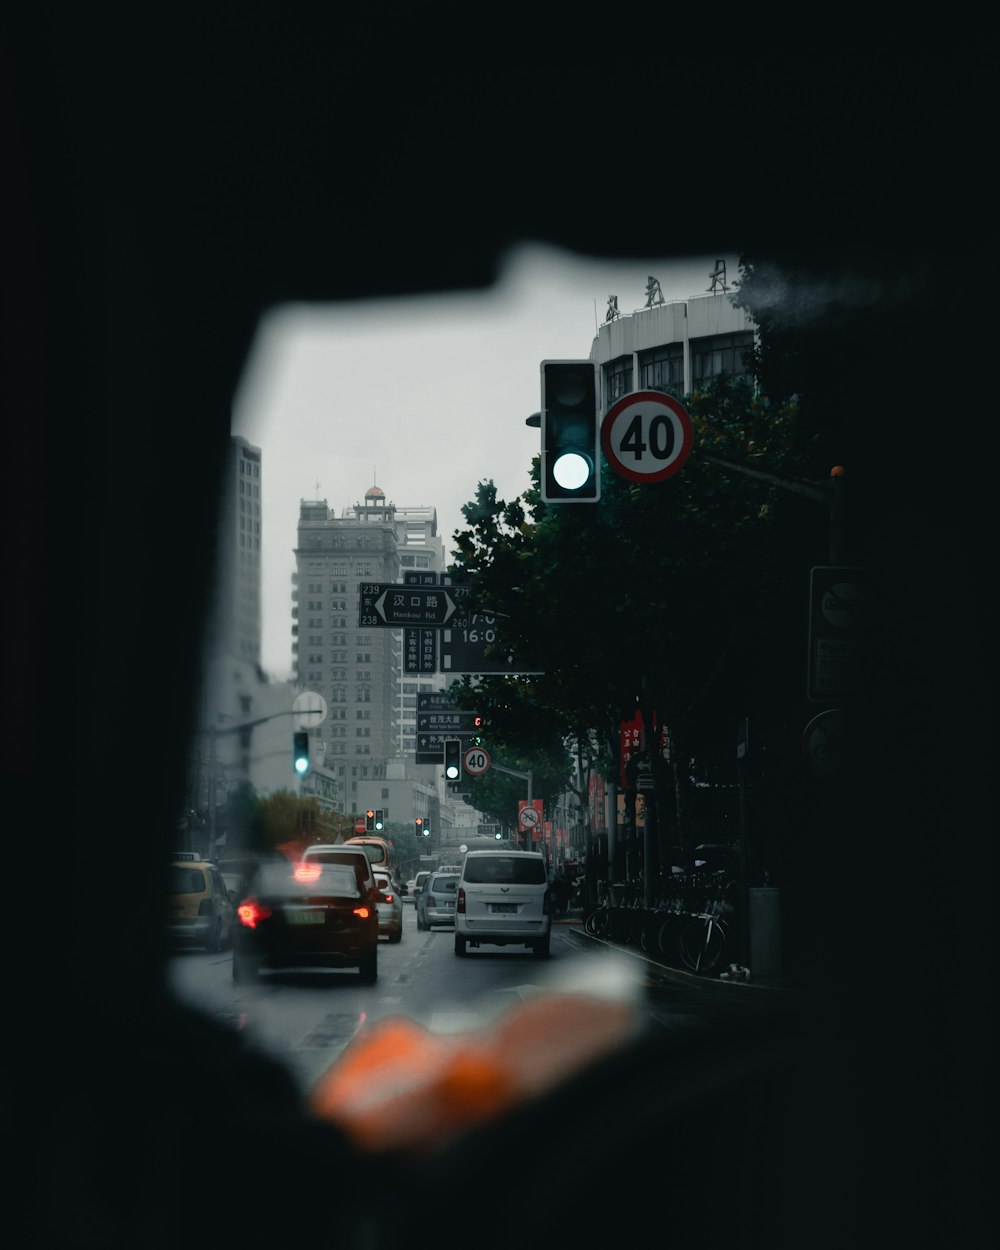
x=677 y=976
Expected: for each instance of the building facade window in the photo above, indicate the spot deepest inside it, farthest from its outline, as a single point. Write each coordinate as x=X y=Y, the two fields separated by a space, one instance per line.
x=662 y=369
x=723 y=353
x=617 y=379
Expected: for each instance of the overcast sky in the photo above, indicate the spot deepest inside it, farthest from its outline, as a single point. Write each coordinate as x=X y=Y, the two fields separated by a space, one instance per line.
x=424 y=397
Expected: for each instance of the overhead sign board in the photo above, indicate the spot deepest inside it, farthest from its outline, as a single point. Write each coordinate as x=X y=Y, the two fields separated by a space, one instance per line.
x=836 y=612
x=391 y=605
x=470 y=641
x=420 y=645
x=646 y=436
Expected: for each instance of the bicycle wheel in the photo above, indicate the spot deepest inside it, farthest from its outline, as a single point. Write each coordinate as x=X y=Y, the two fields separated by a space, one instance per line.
x=702 y=944
x=596 y=924
x=667 y=935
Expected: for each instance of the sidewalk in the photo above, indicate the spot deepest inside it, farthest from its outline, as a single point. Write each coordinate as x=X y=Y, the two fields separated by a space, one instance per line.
x=572 y=925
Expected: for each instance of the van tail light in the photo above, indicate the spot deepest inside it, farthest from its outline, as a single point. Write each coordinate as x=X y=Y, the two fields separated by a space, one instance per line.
x=460 y=901
x=251 y=912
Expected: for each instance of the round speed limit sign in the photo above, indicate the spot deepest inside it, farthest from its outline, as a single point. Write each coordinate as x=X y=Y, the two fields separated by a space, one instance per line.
x=476 y=761
x=646 y=436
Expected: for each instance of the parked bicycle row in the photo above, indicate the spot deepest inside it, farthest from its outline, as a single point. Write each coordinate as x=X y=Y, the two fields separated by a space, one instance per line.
x=691 y=924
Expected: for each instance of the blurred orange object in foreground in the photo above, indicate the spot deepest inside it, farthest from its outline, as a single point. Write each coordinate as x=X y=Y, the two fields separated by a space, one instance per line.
x=398 y=1086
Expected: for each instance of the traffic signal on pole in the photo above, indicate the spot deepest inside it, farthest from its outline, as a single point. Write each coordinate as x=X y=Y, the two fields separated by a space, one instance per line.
x=571 y=458
x=300 y=752
x=452 y=759
x=379 y=819
x=418 y=826
x=370 y=820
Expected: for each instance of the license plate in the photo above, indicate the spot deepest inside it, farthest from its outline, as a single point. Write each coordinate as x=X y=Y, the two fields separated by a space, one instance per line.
x=306 y=917
x=506 y=908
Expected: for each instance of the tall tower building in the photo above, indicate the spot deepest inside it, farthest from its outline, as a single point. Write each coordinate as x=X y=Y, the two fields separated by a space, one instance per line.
x=233 y=623
x=356 y=671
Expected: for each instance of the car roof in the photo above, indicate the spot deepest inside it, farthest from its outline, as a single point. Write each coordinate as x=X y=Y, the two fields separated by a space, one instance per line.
x=507 y=854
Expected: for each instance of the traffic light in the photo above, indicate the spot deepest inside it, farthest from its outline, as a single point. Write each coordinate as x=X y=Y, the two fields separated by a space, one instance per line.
x=370 y=820
x=476 y=737
x=418 y=826
x=379 y=819
x=571 y=463
x=300 y=752
x=452 y=759
x=498 y=834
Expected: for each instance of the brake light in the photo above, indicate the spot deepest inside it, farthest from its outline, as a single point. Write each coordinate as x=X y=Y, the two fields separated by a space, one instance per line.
x=250 y=912
x=307 y=872
x=363 y=912
x=460 y=901
x=387 y=897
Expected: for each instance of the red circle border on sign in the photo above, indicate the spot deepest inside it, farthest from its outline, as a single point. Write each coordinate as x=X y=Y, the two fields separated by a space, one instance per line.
x=635 y=397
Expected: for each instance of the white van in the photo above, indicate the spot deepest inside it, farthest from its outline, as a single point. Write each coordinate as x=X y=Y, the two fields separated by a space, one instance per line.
x=503 y=899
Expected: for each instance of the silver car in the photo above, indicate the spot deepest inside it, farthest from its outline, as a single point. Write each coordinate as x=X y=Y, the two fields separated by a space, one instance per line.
x=389 y=906
x=436 y=901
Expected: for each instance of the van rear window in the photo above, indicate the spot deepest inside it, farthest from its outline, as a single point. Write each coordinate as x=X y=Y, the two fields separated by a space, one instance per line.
x=480 y=869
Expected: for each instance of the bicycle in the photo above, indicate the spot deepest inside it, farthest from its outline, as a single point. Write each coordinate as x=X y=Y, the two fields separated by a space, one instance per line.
x=596 y=922
x=705 y=940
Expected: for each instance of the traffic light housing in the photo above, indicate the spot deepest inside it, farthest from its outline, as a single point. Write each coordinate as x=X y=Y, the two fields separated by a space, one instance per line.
x=418 y=826
x=379 y=819
x=370 y=820
x=452 y=759
x=571 y=458
x=300 y=752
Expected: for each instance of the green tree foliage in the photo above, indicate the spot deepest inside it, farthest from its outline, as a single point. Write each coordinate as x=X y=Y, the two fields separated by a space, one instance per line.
x=669 y=597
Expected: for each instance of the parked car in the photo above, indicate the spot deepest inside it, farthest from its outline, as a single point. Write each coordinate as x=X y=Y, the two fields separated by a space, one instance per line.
x=503 y=899
x=199 y=909
x=436 y=901
x=313 y=914
x=389 y=906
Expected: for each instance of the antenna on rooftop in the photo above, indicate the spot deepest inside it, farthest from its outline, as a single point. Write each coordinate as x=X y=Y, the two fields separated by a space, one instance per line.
x=718 y=276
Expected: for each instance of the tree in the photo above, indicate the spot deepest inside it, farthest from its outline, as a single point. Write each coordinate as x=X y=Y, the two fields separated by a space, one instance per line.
x=669 y=597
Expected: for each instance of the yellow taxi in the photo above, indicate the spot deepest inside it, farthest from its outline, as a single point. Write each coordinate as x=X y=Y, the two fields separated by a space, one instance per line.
x=200 y=911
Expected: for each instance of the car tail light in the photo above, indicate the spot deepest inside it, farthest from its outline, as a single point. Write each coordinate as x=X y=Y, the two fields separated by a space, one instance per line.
x=363 y=912
x=307 y=872
x=460 y=901
x=250 y=912
x=387 y=897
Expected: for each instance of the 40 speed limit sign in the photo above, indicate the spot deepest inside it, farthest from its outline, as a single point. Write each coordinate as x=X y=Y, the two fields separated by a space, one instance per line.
x=646 y=436
x=476 y=761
